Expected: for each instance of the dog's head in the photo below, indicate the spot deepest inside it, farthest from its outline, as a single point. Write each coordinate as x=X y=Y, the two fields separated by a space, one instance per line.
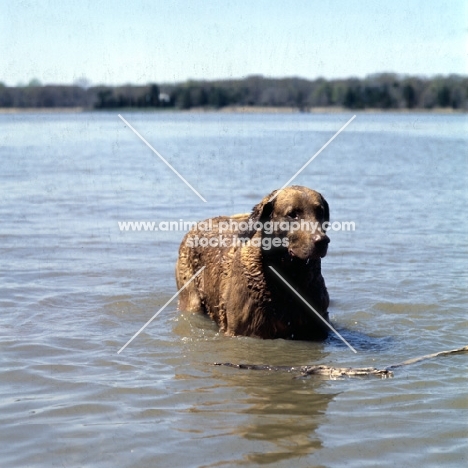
x=295 y=216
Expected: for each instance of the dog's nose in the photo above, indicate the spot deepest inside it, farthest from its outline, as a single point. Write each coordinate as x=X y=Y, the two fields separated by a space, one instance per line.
x=321 y=241
x=321 y=245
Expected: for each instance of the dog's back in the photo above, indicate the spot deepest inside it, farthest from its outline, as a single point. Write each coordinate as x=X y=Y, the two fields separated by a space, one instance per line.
x=211 y=246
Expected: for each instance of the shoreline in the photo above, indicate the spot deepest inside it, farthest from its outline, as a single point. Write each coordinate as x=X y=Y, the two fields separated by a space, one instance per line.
x=229 y=110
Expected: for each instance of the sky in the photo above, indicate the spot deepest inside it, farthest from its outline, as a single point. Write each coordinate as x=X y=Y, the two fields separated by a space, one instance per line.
x=143 y=41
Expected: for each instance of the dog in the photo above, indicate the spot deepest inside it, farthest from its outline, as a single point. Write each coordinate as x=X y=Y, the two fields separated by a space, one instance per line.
x=242 y=256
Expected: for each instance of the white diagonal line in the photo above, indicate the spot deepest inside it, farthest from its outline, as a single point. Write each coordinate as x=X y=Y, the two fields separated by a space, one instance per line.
x=311 y=308
x=161 y=309
x=161 y=157
x=313 y=157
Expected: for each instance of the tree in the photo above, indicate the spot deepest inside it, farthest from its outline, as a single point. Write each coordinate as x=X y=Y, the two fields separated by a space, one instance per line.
x=154 y=96
x=218 y=97
x=443 y=97
x=323 y=94
x=82 y=82
x=105 y=99
x=409 y=95
x=186 y=99
x=352 y=98
x=34 y=83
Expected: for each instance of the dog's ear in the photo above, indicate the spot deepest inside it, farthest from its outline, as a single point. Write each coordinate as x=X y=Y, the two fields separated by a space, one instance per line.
x=326 y=209
x=260 y=212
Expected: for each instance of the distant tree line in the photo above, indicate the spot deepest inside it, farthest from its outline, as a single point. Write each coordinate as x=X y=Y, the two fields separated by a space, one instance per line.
x=381 y=91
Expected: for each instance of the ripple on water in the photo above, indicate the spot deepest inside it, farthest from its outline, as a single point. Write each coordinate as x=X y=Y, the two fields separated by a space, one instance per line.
x=76 y=289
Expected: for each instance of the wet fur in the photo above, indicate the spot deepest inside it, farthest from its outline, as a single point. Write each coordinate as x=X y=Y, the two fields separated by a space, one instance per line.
x=238 y=290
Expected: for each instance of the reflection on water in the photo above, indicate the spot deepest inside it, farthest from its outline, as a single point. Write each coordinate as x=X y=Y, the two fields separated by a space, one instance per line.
x=275 y=414
x=301 y=410
x=74 y=290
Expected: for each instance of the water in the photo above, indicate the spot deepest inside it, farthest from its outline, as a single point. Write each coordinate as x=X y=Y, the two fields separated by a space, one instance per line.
x=74 y=290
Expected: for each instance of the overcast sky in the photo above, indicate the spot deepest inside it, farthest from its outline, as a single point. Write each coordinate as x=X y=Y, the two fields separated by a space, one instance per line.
x=141 y=41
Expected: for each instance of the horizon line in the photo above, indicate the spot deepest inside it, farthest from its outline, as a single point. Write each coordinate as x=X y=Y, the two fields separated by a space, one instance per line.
x=85 y=82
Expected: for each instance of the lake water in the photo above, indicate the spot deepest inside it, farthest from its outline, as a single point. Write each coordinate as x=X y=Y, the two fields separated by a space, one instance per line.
x=75 y=289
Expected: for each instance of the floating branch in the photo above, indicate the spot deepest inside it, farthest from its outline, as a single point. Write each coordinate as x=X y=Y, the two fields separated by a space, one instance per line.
x=334 y=372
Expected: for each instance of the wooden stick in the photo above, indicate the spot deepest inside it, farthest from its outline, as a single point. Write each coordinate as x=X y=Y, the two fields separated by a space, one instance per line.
x=463 y=349
x=341 y=371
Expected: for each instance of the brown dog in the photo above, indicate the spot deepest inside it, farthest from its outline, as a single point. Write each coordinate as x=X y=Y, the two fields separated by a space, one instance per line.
x=238 y=289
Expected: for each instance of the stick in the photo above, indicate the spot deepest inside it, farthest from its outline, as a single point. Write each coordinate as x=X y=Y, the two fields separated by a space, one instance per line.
x=463 y=349
x=341 y=371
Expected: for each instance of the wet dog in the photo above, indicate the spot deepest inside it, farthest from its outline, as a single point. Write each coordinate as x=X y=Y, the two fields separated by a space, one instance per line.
x=243 y=258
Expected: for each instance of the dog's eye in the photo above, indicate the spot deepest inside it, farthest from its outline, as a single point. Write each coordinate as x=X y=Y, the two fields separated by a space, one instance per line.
x=293 y=214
